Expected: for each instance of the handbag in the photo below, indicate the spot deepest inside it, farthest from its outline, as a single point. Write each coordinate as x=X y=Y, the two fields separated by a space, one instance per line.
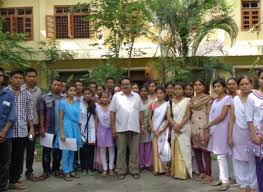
x=166 y=153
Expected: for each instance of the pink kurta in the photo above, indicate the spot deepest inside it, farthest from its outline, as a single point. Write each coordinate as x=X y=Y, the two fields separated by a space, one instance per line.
x=218 y=133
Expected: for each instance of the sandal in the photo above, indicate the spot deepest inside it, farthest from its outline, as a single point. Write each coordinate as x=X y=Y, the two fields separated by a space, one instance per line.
x=32 y=178
x=121 y=176
x=136 y=176
x=74 y=175
x=58 y=174
x=67 y=177
x=104 y=174
x=207 y=179
x=43 y=177
x=111 y=173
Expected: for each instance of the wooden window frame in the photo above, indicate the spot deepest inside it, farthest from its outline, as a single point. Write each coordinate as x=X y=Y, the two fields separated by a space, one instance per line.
x=250 y=10
x=13 y=20
x=71 y=32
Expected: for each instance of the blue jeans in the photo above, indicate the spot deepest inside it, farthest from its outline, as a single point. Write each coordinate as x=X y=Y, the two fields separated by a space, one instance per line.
x=67 y=161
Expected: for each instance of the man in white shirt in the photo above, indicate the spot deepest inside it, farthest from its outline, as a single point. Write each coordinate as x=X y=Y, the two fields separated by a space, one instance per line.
x=127 y=123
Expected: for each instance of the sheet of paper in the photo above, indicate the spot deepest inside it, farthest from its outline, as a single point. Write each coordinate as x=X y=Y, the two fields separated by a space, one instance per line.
x=70 y=144
x=47 y=141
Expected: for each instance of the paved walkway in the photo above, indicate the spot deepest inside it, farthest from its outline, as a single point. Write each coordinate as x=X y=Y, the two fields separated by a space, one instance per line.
x=147 y=183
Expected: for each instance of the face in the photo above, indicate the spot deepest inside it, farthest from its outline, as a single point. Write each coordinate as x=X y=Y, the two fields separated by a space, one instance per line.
x=1 y=77
x=143 y=93
x=189 y=92
x=79 y=87
x=170 y=90
x=178 y=91
x=232 y=86
x=87 y=95
x=126 y=85
x=199 y=87
x=63 y=87
x=71 y=92
x=110 y=83
x=219 y=89
x=245 y=86
x=260 y=80
x=99 y=90
x=31 y=78
x=93 y=88
x=56 y=86
x=152 y=88
x=105 y=99
x=16 y=80
x=135 y=88
x=160 y=95
x=117 y=89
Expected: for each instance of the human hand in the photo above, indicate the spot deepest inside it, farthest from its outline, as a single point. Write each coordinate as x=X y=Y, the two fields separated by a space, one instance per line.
x=62 y=137
x=42 y=132
x=257 y=139
x=230 y=142
x=2 y=136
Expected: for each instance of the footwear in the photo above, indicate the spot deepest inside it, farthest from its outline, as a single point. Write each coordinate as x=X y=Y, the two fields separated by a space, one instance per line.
x=74 y=175
x=224 y=187
x=136 y=176
x=111 y=173
x=32 y=178
x=43 y=177
x=207 y=179
x=17 y=186
x=216 y=183
x=121 y=176
x=199 y=177
x=67 y=177
x=90 y=173
x=84 y=173
x=58 y=174
x=104 y=174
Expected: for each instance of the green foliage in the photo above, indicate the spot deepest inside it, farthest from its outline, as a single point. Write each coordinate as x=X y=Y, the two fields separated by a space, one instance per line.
x=99 y=74
x=50 y=49
x=12 y=50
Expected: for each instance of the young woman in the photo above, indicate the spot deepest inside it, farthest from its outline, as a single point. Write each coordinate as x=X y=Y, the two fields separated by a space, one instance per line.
x=88 y=110
x=104 y=135
x=232 y=86
x=116 y=89
x=100 y=90
x=255 y=123
x=218 y=123
x=169 y=91
x=200 y=108
x=188 y=90
x=238 y=137
x=135 y=88
x=151 y=91
x=158 y=125
x=146 y=154
x=69 y=115
x=179 y=116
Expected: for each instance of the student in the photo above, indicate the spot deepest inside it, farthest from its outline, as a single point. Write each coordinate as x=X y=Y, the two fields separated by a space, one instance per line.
x=109 y=87
x=169 y=90
x=100 y=90
x=69 y=116
x=200 y=108
x=218 y=126
x=254 y=120
x=232 y=86
x=158 y=125
x=23 y=128
x=135 y=88
x=181 y=165
x=151 y=91
x=238 y=137
x=7 y=121
x=116 y=89
x=188 y=90
x=104 y=136
x=88 y=110
x=146 y=154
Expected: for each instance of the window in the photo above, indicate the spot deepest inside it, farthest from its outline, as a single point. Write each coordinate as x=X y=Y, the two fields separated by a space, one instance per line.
x=18 y=20
x=250 y=14
x=64 y=25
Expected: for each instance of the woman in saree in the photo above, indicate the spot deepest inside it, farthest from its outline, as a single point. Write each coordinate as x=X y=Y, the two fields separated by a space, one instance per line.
x=179 y=118
x=158 y=125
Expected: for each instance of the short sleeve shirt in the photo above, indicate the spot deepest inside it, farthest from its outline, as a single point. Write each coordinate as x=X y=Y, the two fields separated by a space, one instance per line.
x=127 y=110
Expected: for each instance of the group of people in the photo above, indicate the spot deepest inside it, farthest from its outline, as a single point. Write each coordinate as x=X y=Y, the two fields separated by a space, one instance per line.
x=124 y=129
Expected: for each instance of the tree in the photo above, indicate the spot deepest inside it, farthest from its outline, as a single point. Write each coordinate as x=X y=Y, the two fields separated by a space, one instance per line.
x=12 y=50
x=183 y=24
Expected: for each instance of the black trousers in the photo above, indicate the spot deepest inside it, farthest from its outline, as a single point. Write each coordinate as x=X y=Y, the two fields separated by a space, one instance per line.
x=87 y=157
x=5 y=160
x=17 y=159
x=76 y=160
x=46 y=159
x=30 y=150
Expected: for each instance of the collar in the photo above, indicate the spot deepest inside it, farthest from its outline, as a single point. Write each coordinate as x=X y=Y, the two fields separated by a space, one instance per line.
x=33 y=90
x=131 y=94
x=50 y=94
x=10 y=88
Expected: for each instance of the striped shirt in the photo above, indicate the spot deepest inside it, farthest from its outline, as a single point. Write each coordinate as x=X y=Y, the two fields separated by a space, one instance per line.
x=24 y=112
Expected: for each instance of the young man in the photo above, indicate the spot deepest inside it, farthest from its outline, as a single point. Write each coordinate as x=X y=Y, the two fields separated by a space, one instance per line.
x=7 y=108
x=110 y=86
x=49 y=123
x=23 y=128
x=30 y=85
x=127 y=122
